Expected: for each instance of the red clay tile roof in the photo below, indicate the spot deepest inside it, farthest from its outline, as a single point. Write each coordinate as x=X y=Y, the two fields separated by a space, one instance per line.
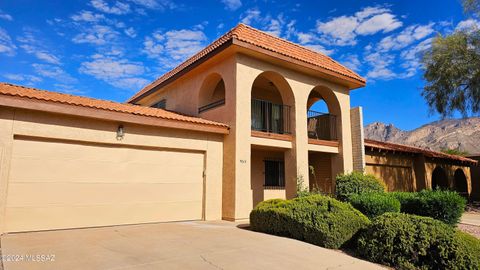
x=7 y=89
x=415 y=150
x=265 y=41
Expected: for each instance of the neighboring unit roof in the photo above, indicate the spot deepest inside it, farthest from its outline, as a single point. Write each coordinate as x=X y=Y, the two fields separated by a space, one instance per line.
x=43 y=96
x=265 y=41
x=416 y=150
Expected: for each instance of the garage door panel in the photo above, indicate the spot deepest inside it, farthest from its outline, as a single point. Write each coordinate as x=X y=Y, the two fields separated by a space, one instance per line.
x=26 y=219
x=75 y=194
x=116 y=154
x=55 y=184
x=88 y=171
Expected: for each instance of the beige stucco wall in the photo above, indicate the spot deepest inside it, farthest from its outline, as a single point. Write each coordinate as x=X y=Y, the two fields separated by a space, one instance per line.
x=450 y=169
x=395 y=170
x=404 y=172
x=259 y=193
x=18 y=122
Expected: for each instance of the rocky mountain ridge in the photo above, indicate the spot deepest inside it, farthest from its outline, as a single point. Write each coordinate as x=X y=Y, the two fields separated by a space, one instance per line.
x=461 y=134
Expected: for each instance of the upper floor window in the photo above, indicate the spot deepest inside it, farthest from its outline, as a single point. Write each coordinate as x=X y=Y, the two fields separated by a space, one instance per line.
x=162 y=104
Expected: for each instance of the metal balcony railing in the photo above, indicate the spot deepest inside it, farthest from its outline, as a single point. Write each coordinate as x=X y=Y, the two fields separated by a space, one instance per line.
x=270 y=117
x=322 y=126
x=211 y=105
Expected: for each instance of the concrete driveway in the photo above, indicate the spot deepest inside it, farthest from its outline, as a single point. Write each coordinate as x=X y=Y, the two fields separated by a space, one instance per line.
x=182 y=245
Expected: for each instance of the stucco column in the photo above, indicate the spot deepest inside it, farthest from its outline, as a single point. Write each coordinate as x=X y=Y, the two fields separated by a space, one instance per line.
x=299 y=153
x=343 y=162
x=243 y=186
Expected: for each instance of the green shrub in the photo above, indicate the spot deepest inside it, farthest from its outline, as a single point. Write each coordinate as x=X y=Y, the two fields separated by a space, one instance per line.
x=375 y=204
x=471 y=243
x=316 y=219
x=446 y=206
x=356 y=183
x=412 y=242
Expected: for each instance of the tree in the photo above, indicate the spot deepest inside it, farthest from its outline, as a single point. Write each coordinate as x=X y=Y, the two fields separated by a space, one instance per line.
x=452 y=70
x=456 y=152
x=471 y=6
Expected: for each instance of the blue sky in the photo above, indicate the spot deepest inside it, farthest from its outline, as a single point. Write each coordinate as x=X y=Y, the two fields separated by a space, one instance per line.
x=110 y=49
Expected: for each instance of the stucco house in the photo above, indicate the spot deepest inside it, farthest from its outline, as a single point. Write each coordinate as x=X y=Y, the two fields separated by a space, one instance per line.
x=409 y=168
x=228 y=128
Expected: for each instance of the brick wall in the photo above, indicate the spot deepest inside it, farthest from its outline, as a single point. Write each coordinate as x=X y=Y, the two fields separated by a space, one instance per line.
x=358 y=149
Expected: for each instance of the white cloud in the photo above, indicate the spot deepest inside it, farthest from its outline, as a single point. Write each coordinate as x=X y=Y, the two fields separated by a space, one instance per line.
x=6 y=45
x=22 y=77
x=468 y=25
x=343 y=30
x=340 y=30
x=130 y=32
x=385 y=22
x=54 y=72
x=118 y=8
x=5 y=16
x=412 y=56
x=250 y=16
x=32 y=45
x=405 y=38
x=174 y=46
x=155 y=4
x=118 y=72
x=96 y=34
x=232 y=4
x=278 y=26
x=380 y=66
x=352 y=62
x=310 y=41
x=87 y=16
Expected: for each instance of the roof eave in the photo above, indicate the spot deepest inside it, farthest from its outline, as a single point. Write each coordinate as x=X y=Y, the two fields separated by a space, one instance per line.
x=100 y=114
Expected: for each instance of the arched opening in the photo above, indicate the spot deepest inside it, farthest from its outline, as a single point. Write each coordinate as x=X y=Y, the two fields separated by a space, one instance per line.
x=272 y=102
x=439 y=179
x=461 y=185
x=212 y=93
x=323 y=115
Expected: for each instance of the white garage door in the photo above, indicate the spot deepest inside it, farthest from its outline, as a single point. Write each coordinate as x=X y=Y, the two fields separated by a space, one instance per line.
x=57 y=184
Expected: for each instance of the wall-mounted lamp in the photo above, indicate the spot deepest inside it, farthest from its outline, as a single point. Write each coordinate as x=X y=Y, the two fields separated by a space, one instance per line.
x=120 y=132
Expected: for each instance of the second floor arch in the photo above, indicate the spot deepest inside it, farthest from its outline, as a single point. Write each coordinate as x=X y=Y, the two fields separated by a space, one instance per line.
x=212 y=93
x=323 y=114
x=273 y=104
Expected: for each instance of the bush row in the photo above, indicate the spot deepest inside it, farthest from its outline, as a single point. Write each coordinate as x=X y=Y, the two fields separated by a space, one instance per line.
x=407 y=241
x=316 y=219
x=366 y=193
x=444 y=205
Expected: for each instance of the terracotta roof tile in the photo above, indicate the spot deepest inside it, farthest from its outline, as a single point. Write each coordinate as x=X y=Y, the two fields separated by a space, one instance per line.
x=265 y=41
x=7 y=89
x=416 y=150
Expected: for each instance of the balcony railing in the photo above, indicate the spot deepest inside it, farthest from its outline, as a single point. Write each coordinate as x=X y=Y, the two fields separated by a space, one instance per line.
x=270 y=117
x=322 y=126
x=211 y=105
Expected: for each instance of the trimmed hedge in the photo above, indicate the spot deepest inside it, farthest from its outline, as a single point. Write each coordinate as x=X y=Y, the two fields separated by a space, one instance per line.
x=412 y=242
x=315 y=219
x=446 y=206
x=352 y=183
x=375 y=204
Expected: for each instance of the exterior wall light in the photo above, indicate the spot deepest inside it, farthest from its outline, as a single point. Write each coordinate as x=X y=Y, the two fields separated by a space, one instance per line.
x=120 y=132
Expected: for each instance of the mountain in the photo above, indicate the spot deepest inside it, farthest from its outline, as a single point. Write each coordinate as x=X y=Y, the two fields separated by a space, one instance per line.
x=461 y=134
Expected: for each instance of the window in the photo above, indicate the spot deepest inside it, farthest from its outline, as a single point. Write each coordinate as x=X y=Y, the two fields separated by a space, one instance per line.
x=274 y=173
x=162 y=104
